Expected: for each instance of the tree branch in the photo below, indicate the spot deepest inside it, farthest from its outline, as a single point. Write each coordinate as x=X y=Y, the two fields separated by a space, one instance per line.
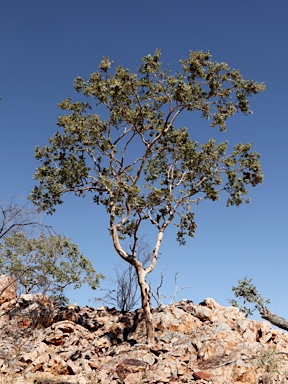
x=280 y=322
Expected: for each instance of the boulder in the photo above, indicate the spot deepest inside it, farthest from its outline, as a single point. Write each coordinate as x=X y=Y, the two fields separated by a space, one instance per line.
x=8 y=288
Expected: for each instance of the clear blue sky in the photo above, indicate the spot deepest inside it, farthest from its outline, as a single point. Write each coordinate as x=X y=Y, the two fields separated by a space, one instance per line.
x=46 y=44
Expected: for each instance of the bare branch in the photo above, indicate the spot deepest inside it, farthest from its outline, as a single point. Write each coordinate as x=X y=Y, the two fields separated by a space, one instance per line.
x=19 y=216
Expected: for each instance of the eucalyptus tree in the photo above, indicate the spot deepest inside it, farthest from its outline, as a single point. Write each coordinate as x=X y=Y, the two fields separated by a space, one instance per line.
x=123 y=144
x=39 y=260
x=46 y=265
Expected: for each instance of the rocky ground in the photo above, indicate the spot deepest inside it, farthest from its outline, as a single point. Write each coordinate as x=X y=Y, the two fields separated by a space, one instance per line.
x=204 y=343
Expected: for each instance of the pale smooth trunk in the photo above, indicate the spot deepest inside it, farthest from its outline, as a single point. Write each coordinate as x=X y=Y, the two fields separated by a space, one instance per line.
x=145 y=298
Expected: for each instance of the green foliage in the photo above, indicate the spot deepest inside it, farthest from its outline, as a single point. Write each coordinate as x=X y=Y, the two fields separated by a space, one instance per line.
x=46 y=265
x=134 y=159
x=247 y=292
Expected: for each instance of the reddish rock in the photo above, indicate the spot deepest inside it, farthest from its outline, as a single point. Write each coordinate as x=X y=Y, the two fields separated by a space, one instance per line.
x=128 y=366
x=8 y=288
x=204 y=375
x=39 y=362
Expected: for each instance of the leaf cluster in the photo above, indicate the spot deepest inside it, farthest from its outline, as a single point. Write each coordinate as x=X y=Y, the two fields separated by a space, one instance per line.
x=246 y=292
x=46 y=265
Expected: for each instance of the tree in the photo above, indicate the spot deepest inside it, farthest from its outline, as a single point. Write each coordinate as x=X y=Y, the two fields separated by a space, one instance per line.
x=137 y=162
x=247 y=292
x=46 y=265
x=38 y=259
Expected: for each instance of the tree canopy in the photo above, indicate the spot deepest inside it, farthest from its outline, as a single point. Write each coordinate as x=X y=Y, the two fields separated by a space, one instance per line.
x=126 y=148
x=39 y=260
x=46 y=265
x=246 y=293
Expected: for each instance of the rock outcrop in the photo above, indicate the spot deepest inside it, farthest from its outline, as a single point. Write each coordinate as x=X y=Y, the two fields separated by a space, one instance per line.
x=8 y=288
x=205 y=343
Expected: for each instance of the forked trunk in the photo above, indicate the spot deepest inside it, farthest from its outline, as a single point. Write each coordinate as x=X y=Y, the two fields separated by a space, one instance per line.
x=146 y=305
